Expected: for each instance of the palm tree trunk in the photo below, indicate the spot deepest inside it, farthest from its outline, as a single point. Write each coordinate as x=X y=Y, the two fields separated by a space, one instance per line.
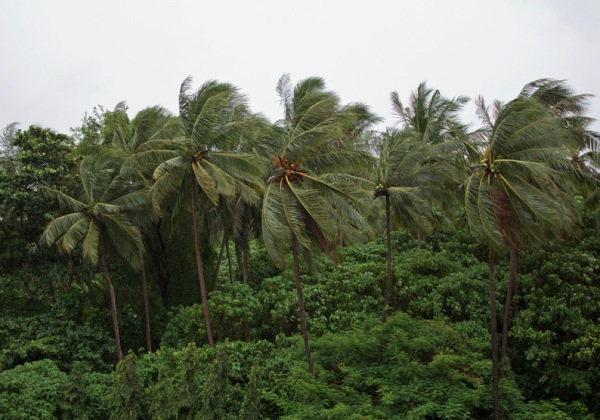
x=245 y=245
x=219 y=260
x=303 y=324
x=199 y=267
x=113 y=302
x=388 y=282
x=146 y=311
x=515 y=303
x=229 y=262
x=512 y=281
x=163 y=265
x=419 y=237
x=494 y=334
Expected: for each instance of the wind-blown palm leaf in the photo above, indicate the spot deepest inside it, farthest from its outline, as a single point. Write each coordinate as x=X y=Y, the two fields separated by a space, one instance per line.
x=66 y=231
x=91 y=241
x=64 y=200
x=124 y=237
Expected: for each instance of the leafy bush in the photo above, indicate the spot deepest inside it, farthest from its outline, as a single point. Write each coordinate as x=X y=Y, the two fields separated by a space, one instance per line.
x=31 y=390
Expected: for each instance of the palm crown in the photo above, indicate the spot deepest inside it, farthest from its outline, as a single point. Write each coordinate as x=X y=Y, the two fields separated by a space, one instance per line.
x=310 y=191
x=102 y=214
x=512 y=195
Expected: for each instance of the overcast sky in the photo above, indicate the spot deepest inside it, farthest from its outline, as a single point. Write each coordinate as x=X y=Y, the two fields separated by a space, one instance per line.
x=61 y=58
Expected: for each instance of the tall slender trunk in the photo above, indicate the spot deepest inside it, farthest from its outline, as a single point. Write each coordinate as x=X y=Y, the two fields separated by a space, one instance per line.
x=219 y=260
x=303 y=324
x=163 y=266
x=494 y=334
x=512 y=281
x=229 y=262
x=113 y=302
x=71 y=267
x=388 y=281
x=146 y=311
x=162 y=282
x=199 y=268
x=245 y=245
x=515 y=303
x=419 y=237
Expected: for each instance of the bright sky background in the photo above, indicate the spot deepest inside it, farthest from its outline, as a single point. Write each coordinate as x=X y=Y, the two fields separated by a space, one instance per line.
x=60 y=58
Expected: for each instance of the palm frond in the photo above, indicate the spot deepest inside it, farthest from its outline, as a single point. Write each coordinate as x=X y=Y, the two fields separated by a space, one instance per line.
x=124 y=237
x=91 y=242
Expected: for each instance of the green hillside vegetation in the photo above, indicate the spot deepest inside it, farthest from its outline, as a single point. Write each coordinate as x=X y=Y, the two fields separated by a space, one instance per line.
x=215 y=265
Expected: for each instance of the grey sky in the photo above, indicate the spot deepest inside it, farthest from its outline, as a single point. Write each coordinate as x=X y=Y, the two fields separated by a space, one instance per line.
x=60 y=58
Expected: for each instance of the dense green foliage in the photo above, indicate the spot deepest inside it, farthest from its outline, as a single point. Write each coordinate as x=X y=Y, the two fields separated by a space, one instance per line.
x=193 y=227
x=429 y=359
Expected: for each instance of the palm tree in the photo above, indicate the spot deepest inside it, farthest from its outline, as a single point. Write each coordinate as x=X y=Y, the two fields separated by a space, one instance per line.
x=100 y=221
x=206 y=161
x=432 y=119
x=130 y=141
x=583 y=168
x=514 y=198
x=411 y=180
x=310 y=193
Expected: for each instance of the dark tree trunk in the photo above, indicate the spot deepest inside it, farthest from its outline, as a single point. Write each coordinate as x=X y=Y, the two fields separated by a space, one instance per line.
x=71 y=267
x=515 y=302
x=388 y=281
x=146 y=311
x=494 y=334
x=161 y=280
x=229 y=262
x=113 y=302
x=419 y=237
x=303 y=324
x=199 y=267
x=161 y=266
x=219 y=260
x=245 y=245
x=512 y=281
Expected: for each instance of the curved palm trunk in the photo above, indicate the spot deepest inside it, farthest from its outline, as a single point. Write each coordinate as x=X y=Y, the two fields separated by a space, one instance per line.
x=494 y=334
x=512 y=281
x=303 y=325
x=199 y=267
x=245 y=245
x=113 y=303
x=146 y=311
x=388 y=282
